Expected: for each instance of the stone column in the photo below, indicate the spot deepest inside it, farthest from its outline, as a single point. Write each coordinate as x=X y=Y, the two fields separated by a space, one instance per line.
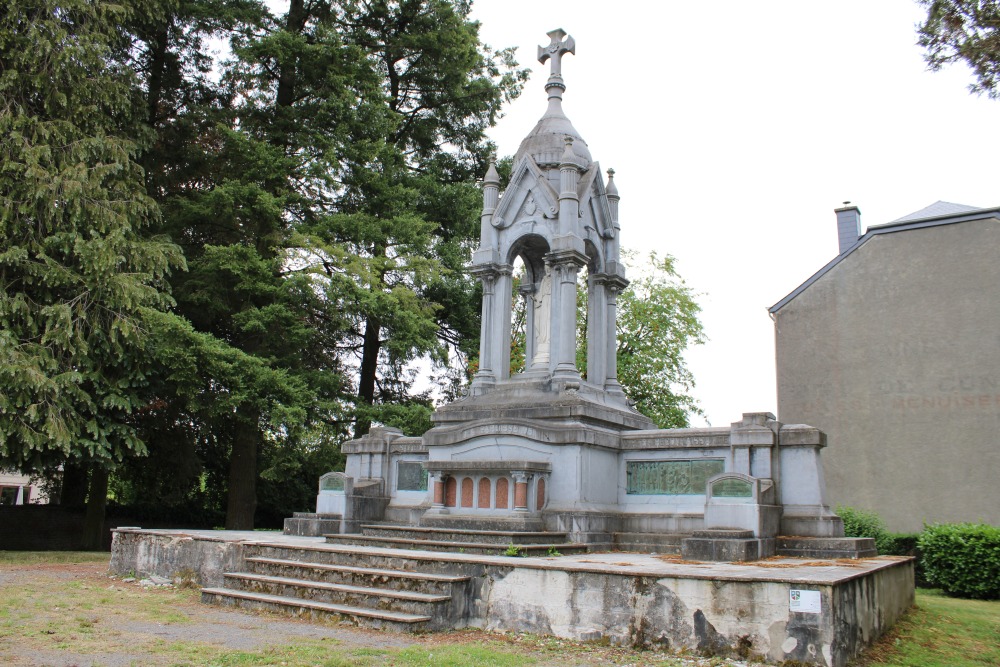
x=494 y=332
x=485 y=376
x=501 y=320
x=613 y=285
x=438 y=482
x=528 y=294
x=520 y=492
x=596 y=330
x=565 y=270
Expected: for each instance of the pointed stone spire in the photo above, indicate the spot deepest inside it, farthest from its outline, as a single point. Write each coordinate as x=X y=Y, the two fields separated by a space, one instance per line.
x=612 y=191
x=492 y=177
x=568 y=156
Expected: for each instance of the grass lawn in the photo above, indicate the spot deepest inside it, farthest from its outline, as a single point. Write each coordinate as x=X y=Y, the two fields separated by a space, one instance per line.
x=60 y=607
x=941 y=632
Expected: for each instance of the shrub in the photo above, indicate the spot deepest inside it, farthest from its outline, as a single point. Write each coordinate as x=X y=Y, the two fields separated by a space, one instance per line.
x=864 y=523
x=962 y=558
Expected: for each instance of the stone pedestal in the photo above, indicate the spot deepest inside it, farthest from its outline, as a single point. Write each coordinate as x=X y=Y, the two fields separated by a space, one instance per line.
x=726 y=545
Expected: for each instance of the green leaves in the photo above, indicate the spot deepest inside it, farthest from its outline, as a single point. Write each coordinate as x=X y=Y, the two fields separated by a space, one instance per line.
x=76 y=276
x=964 y=31
x=962 y=558
x=657 y=322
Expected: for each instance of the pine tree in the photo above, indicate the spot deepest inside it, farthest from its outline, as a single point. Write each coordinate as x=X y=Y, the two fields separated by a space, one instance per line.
x=81 y=283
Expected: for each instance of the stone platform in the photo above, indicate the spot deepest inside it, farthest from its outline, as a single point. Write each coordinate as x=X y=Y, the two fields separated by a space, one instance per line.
x=813 y=611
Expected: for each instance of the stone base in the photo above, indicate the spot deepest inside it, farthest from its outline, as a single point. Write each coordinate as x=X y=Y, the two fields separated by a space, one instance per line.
x=639 y=600
x=827 y=547
x=817 y=523
x=726 y=546
x=466 y=522
x=311 y=524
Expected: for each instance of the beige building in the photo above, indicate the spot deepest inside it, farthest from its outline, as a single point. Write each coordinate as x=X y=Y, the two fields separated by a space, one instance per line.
x=16 y=489
x=893 y=349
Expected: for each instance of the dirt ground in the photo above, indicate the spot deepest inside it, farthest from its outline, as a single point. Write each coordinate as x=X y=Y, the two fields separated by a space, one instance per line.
x=126 y=629
x=75 y=615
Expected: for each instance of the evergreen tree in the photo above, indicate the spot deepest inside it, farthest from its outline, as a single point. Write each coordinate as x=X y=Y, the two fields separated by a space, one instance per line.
x=81 y=284
x=409 y=217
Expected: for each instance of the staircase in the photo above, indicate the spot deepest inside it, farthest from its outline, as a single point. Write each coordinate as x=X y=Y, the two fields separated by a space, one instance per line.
x=461 y=540
x=361 y=587
x=356 y=579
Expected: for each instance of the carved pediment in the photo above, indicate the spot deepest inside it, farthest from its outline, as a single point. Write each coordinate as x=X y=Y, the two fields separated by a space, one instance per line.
x=528 y=199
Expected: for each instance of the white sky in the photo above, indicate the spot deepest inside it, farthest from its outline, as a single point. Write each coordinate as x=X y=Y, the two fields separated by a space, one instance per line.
x=735 y=128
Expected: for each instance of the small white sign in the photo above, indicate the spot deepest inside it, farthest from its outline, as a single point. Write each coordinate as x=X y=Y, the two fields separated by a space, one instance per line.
x=804 y=602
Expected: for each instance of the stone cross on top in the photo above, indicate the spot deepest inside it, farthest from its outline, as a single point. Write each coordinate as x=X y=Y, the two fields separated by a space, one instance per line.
x=555 y=49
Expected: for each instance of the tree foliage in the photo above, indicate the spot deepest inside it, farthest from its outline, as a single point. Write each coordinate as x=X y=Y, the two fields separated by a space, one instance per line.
x=317 y=186
x=964 y=31
x=657 y=322
x=80 y=282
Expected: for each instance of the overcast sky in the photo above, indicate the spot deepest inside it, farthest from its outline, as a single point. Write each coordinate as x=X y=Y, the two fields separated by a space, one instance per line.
x=735 y=128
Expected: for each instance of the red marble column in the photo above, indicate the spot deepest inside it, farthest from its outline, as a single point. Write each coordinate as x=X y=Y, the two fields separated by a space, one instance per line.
x=540 y=494
x=438 y=492
x=520 y=492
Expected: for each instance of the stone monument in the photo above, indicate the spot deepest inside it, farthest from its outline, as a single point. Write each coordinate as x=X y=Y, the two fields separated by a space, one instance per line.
x=554 y=448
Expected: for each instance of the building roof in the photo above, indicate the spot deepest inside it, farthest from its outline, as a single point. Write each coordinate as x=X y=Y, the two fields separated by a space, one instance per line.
x=936 y=210
x=938 y=213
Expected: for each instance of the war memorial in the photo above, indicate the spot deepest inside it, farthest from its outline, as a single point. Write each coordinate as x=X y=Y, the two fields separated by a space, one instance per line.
x=542 y=501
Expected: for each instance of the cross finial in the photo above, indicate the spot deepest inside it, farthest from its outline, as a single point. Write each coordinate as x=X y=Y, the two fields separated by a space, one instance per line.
x=555 y=49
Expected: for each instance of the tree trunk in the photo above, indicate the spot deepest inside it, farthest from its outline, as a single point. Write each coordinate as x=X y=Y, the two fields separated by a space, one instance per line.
x=157 y=45
x=369 y=369
x=97 y=503
x=74 y=485
x=242 y=500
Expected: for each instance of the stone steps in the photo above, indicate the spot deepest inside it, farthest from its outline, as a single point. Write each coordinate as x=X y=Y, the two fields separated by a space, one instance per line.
x=481 y=548
x=368 y=617
x=367 y=587
x=423 y=582
x=457 y=539
x=363 y=597
x=498 y=537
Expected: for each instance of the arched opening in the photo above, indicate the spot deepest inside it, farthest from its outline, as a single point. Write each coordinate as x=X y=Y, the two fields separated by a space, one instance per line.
x=591 y=322
x=531 y=289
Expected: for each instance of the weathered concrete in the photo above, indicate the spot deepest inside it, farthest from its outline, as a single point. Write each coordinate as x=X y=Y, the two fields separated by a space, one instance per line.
x=709 y=608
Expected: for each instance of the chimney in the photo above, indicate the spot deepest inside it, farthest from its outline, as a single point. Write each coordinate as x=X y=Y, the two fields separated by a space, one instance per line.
x=848 y=225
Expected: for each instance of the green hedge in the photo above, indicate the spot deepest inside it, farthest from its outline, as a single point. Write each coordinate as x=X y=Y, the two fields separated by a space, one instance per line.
x=963 y=559
x=863 y=523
